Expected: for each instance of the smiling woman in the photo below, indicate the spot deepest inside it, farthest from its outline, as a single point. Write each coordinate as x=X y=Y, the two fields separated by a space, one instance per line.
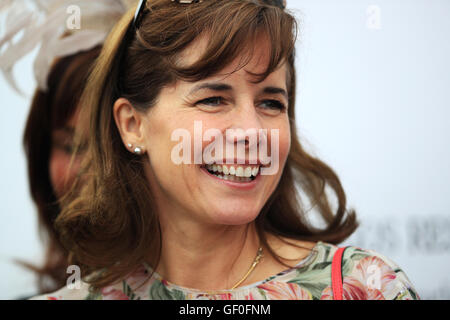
x=145 y=227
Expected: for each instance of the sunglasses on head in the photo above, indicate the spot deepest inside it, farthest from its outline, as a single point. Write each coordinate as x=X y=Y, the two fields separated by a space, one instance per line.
x=142 y=3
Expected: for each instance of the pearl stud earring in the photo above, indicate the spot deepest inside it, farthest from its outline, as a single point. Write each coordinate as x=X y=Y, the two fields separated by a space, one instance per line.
x=137 y=150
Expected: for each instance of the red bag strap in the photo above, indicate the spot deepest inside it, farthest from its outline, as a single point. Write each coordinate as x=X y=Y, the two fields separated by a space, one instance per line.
x=336 y=274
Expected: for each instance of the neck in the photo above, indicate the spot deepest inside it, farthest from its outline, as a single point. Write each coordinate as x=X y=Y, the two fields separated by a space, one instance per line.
x=205 y=256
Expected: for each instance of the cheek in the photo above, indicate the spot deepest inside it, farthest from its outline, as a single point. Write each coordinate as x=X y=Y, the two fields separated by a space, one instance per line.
x=279 y=146
x=285 y=144
x=61 y=174
x=163 y=173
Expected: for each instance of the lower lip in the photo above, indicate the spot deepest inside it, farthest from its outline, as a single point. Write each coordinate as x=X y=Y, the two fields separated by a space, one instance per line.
x=237 y=185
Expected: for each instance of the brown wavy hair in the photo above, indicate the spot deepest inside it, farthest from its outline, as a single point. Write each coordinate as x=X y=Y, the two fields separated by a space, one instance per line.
x=50 y=110
x=112 y=224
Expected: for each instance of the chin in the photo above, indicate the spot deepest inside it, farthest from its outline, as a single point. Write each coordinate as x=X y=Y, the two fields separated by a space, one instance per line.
x=233 y=215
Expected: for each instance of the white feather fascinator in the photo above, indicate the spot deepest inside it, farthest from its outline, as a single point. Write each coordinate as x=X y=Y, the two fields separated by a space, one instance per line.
x=28 y=24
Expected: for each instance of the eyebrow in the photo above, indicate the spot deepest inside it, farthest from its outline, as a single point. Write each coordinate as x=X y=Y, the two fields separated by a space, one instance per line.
x=226 y=87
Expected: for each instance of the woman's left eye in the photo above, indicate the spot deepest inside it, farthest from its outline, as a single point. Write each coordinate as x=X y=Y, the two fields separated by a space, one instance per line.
x=275 y=104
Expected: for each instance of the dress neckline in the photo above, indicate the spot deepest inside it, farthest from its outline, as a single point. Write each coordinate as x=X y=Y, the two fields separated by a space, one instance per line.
x=310 y=258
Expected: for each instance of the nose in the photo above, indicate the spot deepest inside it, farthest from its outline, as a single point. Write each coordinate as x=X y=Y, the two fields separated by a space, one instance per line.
x=245 y=126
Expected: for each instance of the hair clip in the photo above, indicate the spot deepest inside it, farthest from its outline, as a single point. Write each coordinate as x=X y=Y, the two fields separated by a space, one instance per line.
x=187 y=1
x=142 y=4
x=138 y=14
x=282 y=3
x=277 y=3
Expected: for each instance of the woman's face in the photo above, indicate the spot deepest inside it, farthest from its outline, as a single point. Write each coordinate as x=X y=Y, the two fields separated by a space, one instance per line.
x=62 y=173
x=233 y=102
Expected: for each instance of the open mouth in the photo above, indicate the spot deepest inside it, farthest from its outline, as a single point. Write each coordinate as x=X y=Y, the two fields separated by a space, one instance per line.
x=234 y=173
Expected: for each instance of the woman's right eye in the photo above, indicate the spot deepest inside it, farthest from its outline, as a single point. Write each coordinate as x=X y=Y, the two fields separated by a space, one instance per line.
x=63 y=146
x=68 y=148
x=213 y=101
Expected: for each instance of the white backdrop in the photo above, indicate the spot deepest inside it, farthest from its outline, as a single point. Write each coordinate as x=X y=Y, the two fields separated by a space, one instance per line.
x=373 y=102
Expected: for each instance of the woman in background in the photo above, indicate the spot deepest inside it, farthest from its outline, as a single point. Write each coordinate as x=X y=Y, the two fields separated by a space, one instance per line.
x=48 y=142
x=53 y=116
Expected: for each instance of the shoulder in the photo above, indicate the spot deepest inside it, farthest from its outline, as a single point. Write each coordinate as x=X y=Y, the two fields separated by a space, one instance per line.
x=368 y=274
x=290 y=250
x=81 y=289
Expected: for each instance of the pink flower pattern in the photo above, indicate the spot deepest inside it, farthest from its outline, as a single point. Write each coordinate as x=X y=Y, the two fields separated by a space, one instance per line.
x=368 y=275
x=371 y=279
x=285 y=291
x=110 y=293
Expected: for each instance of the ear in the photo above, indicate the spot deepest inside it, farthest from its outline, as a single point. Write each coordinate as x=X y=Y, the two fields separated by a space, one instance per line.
x=129 y=122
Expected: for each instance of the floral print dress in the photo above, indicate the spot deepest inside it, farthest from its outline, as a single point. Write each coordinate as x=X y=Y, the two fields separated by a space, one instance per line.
x=367 y=275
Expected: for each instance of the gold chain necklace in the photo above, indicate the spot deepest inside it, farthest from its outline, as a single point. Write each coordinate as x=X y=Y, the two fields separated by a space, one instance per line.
x=255 y=262
x=258 y=257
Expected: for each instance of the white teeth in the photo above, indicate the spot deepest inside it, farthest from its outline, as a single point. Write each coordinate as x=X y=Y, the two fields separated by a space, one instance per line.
x=239 y=171
x=225 y=170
